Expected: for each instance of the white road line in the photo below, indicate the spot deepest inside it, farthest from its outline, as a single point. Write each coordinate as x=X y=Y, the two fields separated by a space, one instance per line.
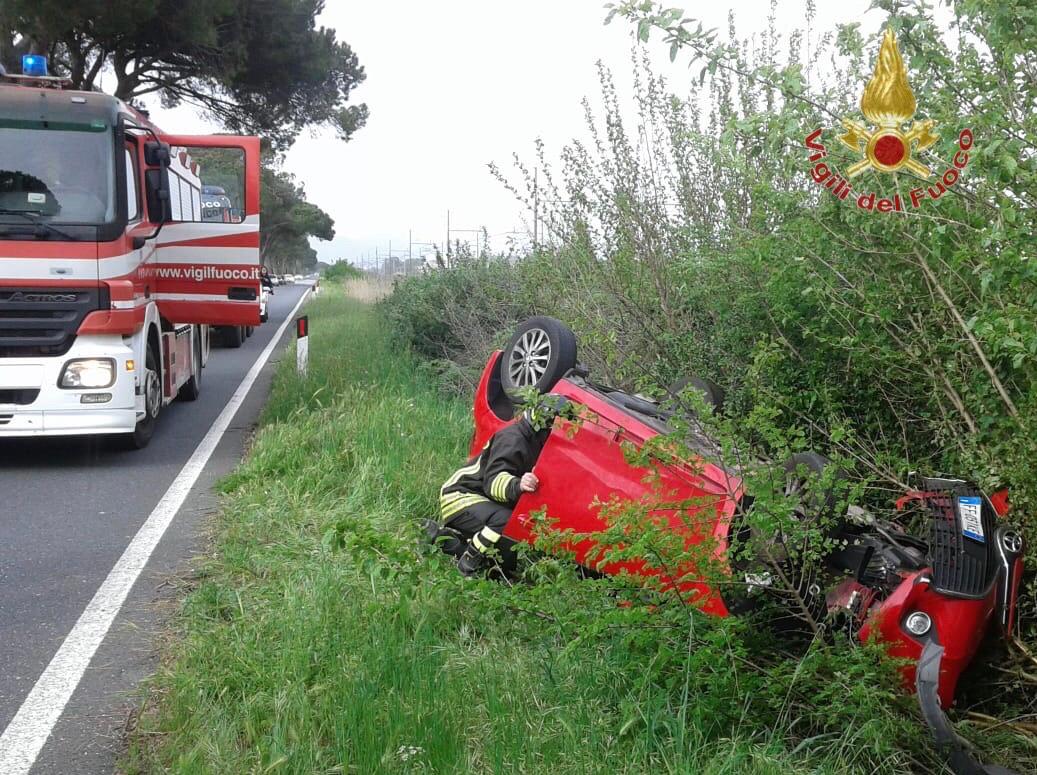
x=25 y=736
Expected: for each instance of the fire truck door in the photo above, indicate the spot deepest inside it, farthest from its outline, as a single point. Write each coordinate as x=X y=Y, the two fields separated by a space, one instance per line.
x=207 y=261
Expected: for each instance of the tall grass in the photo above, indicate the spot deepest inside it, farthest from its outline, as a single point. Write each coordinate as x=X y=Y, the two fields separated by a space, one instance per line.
x=322 y=639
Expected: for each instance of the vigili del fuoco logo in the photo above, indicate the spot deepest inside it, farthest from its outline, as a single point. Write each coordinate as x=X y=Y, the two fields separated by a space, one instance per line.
x=888 y=145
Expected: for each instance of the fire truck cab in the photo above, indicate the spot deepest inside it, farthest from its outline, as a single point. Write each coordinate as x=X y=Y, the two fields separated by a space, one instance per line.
x=110 y=272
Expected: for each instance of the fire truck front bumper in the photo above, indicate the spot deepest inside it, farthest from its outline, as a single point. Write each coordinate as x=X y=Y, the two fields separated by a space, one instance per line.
x=89 y=390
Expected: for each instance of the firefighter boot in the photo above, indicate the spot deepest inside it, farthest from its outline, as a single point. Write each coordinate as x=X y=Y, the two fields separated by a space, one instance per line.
x=472 y=562
x=446 y=539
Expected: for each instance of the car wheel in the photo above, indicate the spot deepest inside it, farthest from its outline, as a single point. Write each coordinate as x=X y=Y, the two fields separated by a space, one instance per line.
x=711 y=392
x=541 y=351
x=775 y=559
x=818 y=500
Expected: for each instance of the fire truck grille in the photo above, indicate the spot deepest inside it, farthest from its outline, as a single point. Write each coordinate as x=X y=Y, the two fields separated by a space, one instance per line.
x=962 y=567
x=38 y=322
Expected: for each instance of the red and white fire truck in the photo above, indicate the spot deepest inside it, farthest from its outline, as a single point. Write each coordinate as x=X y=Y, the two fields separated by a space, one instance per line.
x=110 y=275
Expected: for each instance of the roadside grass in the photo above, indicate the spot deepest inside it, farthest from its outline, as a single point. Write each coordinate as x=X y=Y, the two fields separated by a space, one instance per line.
x=322 y=638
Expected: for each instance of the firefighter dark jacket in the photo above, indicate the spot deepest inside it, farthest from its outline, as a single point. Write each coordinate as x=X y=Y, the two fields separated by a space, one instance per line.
x=494 y=474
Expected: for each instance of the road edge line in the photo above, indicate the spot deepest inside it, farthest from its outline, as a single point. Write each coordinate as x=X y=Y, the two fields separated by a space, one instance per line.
x=27 y=733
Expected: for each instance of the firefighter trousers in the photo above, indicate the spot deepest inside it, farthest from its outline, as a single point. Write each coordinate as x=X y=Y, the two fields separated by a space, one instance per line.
x=483 y=524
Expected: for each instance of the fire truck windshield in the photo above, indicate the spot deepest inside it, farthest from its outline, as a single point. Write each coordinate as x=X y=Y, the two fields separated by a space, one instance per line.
x=58 y=172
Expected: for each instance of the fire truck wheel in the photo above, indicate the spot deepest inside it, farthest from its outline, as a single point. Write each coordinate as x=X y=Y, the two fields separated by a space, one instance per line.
x=152 y=402
x=539 y=354
x=234 y=336
x=248 y=331
x=193 y=387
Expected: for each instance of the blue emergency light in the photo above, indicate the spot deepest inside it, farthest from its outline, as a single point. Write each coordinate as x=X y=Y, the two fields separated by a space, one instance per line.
x=34 y=65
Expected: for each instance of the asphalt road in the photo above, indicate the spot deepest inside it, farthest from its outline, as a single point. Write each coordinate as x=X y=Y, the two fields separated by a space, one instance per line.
x=68 y=509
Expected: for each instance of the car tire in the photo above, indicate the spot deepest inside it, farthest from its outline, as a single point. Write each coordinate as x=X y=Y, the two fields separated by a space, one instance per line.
x=711 y=392
x=818 y=502
x=541 y=351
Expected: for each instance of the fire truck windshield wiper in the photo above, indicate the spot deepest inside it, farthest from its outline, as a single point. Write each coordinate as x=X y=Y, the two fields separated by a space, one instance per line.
x=41 y=227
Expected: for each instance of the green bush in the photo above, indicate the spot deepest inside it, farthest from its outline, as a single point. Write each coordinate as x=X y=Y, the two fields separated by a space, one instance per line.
x=700 y=246
x=342 y=270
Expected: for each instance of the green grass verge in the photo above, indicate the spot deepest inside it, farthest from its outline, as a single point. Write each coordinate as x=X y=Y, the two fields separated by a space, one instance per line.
x=322 y=639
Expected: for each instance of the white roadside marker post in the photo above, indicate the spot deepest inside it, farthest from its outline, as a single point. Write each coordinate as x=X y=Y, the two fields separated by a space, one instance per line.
x=302 y=346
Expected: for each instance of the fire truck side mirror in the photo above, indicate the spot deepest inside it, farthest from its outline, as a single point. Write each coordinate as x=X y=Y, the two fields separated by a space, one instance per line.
x=156 y=184
x=156 y=154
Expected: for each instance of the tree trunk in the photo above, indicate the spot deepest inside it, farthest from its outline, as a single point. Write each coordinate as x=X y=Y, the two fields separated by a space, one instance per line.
x=125 y=83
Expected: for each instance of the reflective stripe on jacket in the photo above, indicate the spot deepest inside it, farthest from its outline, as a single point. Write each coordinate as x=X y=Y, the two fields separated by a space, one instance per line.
x=494 y=474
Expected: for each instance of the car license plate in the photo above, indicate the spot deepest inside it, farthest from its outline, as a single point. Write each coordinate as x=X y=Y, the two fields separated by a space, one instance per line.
x=971 y=510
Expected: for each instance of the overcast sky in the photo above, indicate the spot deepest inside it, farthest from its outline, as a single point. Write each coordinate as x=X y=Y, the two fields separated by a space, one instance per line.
x=453 y=85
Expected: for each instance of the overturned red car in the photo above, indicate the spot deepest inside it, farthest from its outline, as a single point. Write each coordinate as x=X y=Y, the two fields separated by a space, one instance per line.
x=930 y=595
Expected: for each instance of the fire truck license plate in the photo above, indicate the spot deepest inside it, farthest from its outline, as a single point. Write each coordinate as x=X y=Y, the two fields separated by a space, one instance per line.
x=971 y=510
x=20 y=376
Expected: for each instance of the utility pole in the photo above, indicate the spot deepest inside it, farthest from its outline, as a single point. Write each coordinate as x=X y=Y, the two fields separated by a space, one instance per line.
x=410 y=250
x=448 y=239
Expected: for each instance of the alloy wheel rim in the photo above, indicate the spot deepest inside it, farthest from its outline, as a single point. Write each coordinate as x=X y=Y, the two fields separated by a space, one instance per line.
x=529 y=358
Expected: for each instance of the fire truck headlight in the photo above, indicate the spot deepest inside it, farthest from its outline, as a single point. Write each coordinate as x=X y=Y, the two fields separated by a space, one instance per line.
x=88 y=373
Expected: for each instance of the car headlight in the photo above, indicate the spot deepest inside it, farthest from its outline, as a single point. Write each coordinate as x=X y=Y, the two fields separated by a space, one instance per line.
x=88 y=373
x=918 y=623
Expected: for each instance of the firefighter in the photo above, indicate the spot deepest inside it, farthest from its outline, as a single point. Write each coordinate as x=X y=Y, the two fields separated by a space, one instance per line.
x=476 y=502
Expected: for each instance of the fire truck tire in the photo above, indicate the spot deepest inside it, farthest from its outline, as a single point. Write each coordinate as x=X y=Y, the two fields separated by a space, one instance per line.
x=191 y=389
x=233 y=336
x=248 y=331
x=541 y=351
x=145 y=429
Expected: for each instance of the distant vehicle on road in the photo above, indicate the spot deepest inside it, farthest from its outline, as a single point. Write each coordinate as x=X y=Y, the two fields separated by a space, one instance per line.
x=113 y=266
x=216 y=205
